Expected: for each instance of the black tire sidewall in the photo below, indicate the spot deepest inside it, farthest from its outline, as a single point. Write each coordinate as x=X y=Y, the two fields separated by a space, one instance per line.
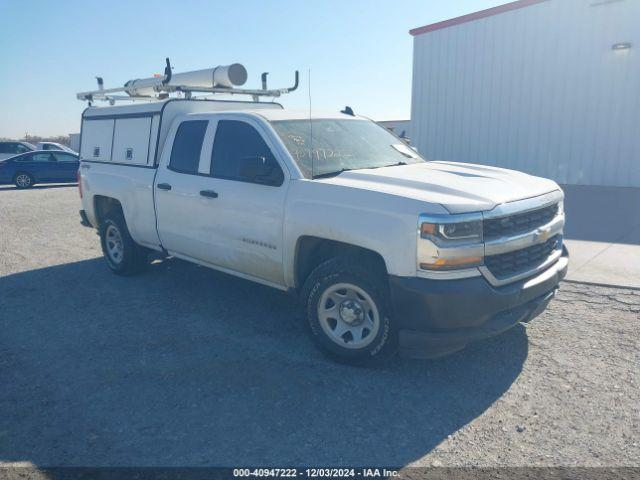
x=340 y=271
x=130 y=257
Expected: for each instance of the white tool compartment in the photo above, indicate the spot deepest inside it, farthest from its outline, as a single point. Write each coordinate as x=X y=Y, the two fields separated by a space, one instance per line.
x=131 y=140
x=96 y=140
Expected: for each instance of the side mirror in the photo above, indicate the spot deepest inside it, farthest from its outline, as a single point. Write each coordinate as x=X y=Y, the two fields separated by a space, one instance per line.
x=260 y=170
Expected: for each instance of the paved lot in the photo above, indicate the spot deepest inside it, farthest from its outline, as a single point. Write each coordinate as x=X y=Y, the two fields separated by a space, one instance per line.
x=185 y=366
x=603 y=234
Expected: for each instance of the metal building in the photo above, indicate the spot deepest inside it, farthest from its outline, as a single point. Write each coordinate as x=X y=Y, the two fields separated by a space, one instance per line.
x=74 y=141
x=402 y=128
x=550 y=87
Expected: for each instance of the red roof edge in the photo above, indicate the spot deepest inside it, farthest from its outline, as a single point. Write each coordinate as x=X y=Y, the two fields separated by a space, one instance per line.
x=475 y=16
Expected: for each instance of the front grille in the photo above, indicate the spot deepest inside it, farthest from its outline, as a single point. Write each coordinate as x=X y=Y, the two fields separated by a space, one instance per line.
x=509 y=264
x=518 y=223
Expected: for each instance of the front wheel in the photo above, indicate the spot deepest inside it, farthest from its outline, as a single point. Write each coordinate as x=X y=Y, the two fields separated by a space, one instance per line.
x=348 y=313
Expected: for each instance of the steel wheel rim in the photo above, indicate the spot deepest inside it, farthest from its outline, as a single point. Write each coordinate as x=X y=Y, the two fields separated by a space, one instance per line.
x=113 y=244
x=23 y=180
x=348 y=316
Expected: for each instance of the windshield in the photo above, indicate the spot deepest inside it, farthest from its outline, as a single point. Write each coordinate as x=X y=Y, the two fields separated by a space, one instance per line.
x=339 y=145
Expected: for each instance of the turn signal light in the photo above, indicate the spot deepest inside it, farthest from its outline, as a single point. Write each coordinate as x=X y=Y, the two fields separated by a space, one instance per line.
x=452 y=263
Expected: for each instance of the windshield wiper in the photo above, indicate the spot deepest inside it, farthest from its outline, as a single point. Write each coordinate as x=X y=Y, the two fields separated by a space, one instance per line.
x=333 y=174
x=391 y=165
x=338 y=172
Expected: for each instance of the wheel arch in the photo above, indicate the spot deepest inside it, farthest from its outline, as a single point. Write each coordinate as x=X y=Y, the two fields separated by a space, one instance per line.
x=312 y=251
x=104 y=205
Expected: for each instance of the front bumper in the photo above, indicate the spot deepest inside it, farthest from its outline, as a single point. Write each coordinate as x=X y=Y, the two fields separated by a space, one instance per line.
x=437 y=317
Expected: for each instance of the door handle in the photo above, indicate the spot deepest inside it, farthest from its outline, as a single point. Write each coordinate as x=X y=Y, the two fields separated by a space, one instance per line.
x=164 y=186
x=208 y=193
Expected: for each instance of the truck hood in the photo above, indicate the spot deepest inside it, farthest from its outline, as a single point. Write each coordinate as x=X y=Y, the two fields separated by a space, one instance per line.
x=458 y=187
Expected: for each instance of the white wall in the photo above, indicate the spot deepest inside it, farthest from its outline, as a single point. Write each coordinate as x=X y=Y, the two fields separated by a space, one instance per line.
x=537 y=89
x=74 y=141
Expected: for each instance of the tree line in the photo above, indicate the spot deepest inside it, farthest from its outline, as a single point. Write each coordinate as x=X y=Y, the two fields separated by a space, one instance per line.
x=62 y=139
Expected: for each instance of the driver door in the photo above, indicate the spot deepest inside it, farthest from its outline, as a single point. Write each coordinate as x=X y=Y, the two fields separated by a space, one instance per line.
x=216 y=215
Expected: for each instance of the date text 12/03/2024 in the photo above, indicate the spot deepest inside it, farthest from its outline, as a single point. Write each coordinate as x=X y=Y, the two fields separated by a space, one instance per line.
x=316 y=472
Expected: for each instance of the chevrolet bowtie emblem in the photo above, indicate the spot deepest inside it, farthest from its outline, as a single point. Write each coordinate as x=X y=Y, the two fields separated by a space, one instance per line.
x=541 y=235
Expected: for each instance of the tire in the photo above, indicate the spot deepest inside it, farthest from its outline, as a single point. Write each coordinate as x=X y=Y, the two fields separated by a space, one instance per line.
x=23 y=180
x=347 y=307
x=122 y=254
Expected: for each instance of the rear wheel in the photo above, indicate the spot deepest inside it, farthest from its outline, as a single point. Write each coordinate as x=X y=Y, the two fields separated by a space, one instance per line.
x=123 y=255
x=23 y=180
x=348 y=313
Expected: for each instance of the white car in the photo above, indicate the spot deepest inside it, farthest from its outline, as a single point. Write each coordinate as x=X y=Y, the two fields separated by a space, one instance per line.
x=54 y=146
x=387 y=250
x=9 y=148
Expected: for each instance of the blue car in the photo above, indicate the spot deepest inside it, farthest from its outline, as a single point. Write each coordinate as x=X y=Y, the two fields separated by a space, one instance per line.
x=29 y=168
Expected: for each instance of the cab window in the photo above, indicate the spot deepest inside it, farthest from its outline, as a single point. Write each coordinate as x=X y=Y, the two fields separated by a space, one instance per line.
x=187 y=144
x=240 y=153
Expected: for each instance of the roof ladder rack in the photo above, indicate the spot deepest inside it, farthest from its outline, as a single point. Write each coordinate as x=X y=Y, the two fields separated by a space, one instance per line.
x=220 y=79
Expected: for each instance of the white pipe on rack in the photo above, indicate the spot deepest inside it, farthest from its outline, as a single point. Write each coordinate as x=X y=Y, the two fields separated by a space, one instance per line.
x=218 y=77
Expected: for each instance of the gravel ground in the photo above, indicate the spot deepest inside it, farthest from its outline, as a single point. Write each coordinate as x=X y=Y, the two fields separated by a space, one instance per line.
x=184 y=366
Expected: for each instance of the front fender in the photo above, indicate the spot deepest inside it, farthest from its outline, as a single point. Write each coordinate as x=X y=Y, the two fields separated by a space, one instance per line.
x=386 y=224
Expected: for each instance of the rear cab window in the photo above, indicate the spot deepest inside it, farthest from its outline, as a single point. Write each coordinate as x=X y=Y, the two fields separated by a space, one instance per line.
x=187 y=145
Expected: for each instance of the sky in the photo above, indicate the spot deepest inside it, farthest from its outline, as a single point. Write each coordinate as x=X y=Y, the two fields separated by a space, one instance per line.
x=359 y=53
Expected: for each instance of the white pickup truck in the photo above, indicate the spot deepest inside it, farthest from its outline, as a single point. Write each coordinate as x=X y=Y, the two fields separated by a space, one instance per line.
x=387 y=250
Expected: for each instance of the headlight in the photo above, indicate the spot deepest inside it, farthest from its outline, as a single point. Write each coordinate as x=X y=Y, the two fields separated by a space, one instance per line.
x=452 y=233
x=450 y=242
